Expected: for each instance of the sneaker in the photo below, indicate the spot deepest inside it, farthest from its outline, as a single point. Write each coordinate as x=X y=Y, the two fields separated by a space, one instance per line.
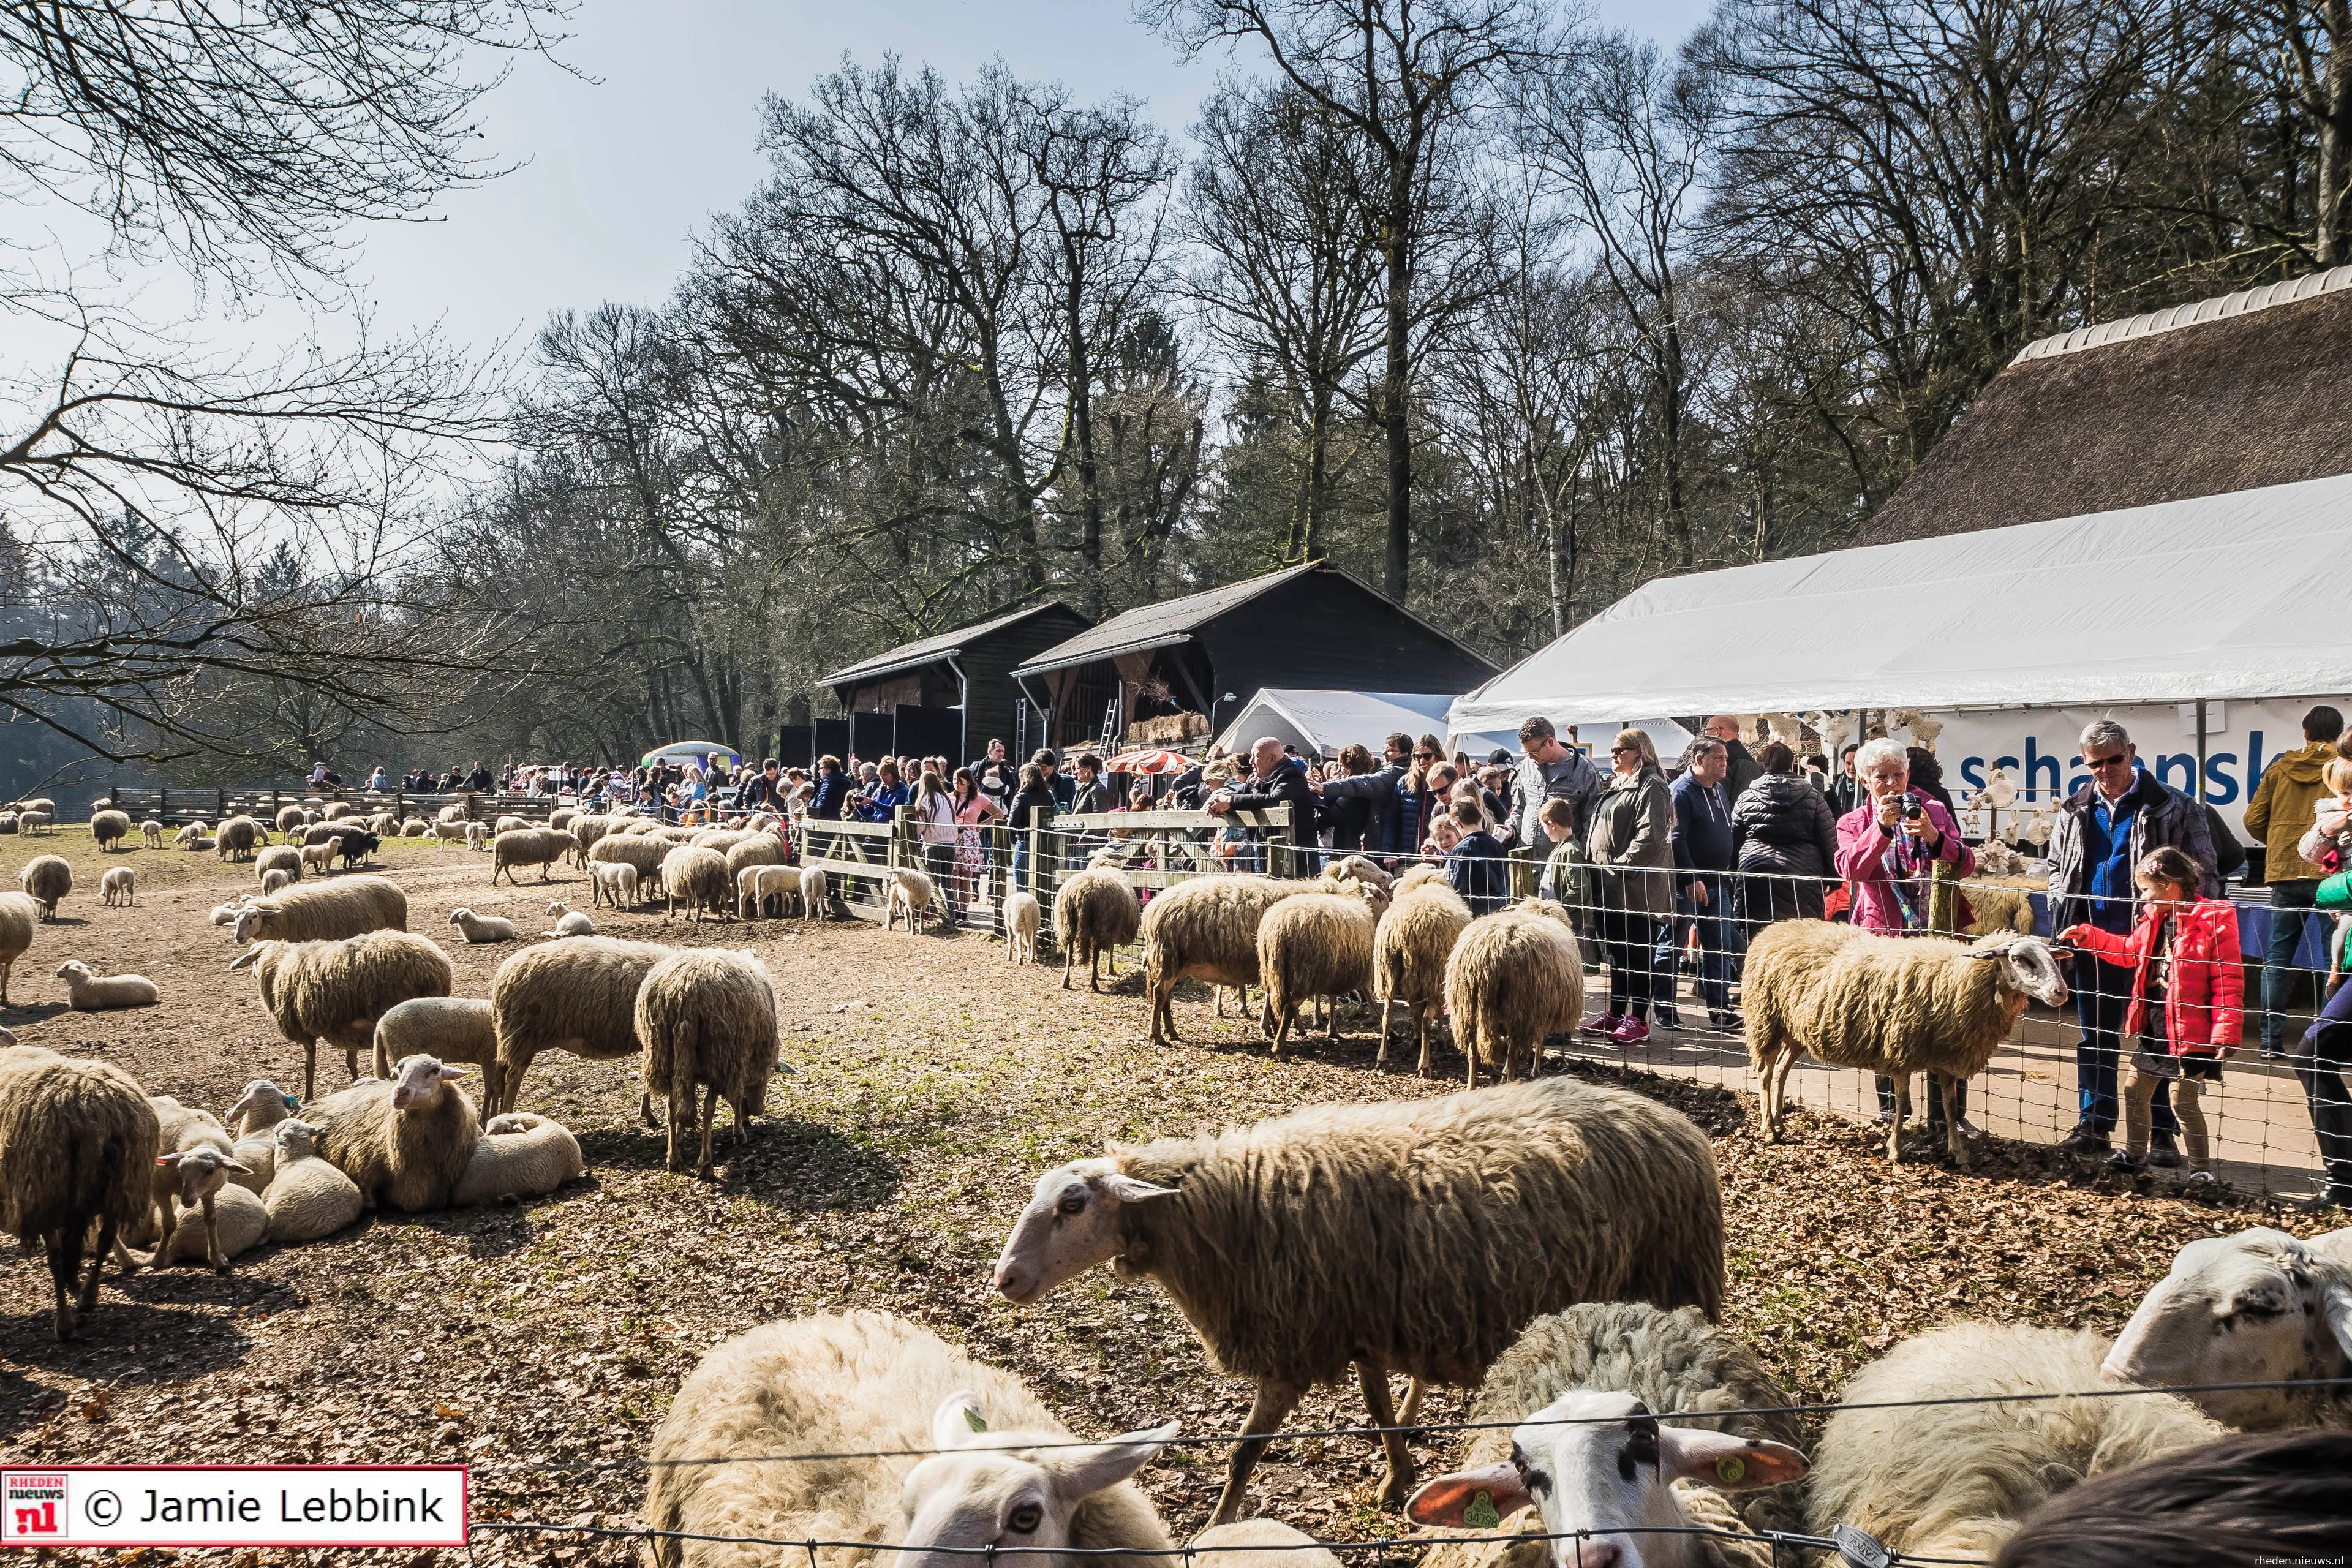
x=1725 y=1019
x=1631 y=1032
x=2122 y=1160
x=2082 y=1141
x=2200 y=1178
x=1669 y=1018
x=1604 y=1025
x=1970 y=1129
x=2166 y=1159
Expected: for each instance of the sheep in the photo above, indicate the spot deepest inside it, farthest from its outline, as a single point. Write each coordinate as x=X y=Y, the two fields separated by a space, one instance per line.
x=1585 y=1385
x=119 y=888
x=697 y=878
x=257 y=1111
x=754 y=849
x=336 y=810
x=320 y=855
x=478 y=929
x=309 y=1198
x=2272 y=1497
x=194 y=1161
x=1095 y=914
x=1409 y=947
x=18 y=915
x=285 y=857
x=9 y=821
x=109 y=829
x=90 y=992
x=1995 y=908
x=477 y=838
x=152 y=831
x=237 y=838
x=612 y=882
x=355 y=848
x=337 y=990
x=721 y=839
x=288 y=818
x=910 y=894
x=225 y=914
x=1445 y=1202
x=1955 y=1483
x=27 y=821
x=1895 y=1005
x=447 y=1028
x=276 y=879
x=587 y=830
x=456 y=811
x=187 y=837
x=2256 y=1307
x=562 y=816
x=77 y=1142
x=1258 y=1543
x=239 y=1223
x=579 y=996
x=47 y=880
x=569 y=921
x=1515 y=977
x=404 y=1142
x=518 y=1155
x=350 y=907
x=755 y=886
x=36 y=802
x=512 y=824
x=815 y=893
x=1206 y=930
x=870 y=1383
x=706 y=1018
x=1022 y=916
x=1316 y=944
x=632 y=849
x=415 y=827
x=451 y=832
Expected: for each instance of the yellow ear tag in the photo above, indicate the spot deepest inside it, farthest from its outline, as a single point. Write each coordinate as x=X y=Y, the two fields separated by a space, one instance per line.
x=1731 y=1469
x=974 y=1419
x=1481 y=1514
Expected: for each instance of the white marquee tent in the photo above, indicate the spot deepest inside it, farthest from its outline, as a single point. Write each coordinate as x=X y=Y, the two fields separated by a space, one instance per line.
x=1320 y=722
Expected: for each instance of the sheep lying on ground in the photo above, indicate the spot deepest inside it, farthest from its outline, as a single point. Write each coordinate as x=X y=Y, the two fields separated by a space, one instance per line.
x=1895 y=1005
x=1587 y=1384
x=579 y=996
x=476 y=928
x=868 y=1382
x=613 y=883
x=9 y=821
x=90 y=992
x=238 y=838
x=540 y=846
x=1316 y=944
x=569 y=921
x=193 y=1163
x=46 y=880
x=118 y=888
x=758 y=887
x=1410 y=948
x=2272 y=1497
x=907 y=894
x=77 y=1142
x=1095 y=914
x=18 y=915
x=253 y=1119
x=109 y=829
x=415 y=827
x=239 y=1223
x=706 y=1018
x=1023 y=916
x=349 y=907
x=518 y=1155
x=1258 y=1543
x=1443 y=1201
x=1204 y=930
x=447 y=1028
x=285 y=857
x=336 y=991
x=404 y=1143
x=309 y=1198
x=1515 y=977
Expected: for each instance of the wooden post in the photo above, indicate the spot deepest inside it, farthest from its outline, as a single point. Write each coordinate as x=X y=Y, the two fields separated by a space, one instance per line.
x=220 y=799
x=1036 y=850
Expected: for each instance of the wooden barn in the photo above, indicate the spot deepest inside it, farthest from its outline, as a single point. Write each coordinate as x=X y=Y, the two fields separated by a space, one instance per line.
x=1171 y=671
x=951 y=693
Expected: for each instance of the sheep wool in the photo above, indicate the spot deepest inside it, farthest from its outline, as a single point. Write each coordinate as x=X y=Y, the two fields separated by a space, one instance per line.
x=757 y=887
x=518 y=1155
x=1204 y=930
x=634 y=850
x=1316 y=944
x=540 y=846
x=447 y=1028
x=706 y=1018
x=109 y=829
x=751 y=849
x=348 y=907
x=336 y=991
x=1095 y=914
x=194 y=835
x=478 y=929
x=237 y=838
x=309 y=1198
x=569 y=921
x=1410 y=948
x=404 y=1143
x=118 y=888
x=47 y=880
x=415 y=827
x=31 y=820
x=288 y=818
x=9 y=821
x=90 y=993
x=579 y=996
x=1515 y=977
x=908 y=894
x=18 y=915
x=697 y=878
x=239 y=1223
x=1259 y=1543
x=285 y=857
x=612 y=882
x=153 y=832
x=510 y=824
x=77 y=1142
x=1022 y=918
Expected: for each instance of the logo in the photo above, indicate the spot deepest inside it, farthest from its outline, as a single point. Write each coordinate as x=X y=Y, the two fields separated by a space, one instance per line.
x=32 y=1506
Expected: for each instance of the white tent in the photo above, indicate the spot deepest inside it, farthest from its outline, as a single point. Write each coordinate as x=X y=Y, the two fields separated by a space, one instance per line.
x=2218 y=597
x=1320 y=722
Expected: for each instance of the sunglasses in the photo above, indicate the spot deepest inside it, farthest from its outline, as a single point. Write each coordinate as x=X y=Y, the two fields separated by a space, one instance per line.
x=1624 y=751
x=2102 y=763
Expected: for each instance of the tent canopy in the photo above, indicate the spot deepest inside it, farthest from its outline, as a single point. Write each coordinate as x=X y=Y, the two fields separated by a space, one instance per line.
x=1323 y=721
x=2188 y=599
x=690 y=751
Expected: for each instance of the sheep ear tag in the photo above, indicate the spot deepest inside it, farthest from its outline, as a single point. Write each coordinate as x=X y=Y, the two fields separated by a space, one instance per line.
x=974 y=1419
x=1480 y=1513
x=1731 y=1470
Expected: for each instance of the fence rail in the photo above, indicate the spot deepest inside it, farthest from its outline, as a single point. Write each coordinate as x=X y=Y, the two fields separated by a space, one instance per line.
x=176 y=806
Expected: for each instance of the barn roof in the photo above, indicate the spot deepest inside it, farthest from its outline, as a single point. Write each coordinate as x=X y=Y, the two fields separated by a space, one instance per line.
x=1162 y=625
x=943 y=645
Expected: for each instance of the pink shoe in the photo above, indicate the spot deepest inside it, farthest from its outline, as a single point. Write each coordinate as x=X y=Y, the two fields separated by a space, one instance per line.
x=1604 y=1026
x=1631 y=1032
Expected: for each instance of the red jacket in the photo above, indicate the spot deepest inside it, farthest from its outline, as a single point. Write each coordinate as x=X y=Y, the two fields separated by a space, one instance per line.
x=2205 y=999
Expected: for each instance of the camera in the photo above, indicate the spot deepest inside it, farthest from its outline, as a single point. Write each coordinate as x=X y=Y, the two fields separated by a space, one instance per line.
x=1912 y=810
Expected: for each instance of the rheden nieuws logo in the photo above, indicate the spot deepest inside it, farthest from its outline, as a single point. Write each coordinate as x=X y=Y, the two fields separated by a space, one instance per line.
x=33 y=1506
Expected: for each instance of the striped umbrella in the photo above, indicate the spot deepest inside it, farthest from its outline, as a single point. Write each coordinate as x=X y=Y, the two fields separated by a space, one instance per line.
x=1148 y=762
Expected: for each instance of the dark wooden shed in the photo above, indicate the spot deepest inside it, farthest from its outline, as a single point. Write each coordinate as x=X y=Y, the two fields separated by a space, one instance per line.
x=1207 y=653
x=966 y=672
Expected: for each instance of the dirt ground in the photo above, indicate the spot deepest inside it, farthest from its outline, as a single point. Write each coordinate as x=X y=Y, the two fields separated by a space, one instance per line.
x=541 y=1343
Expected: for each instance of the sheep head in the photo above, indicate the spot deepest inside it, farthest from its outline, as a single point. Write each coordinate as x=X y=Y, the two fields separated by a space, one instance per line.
x=2031 y=968
x=985 y=1488
x=202 y=1171
x=73 y=972
x=2256 y=1307
x=417 y=1081
x=1600 y=1462
x=261 y=1098
x=1073 y=1222
x=247 y=926
x=294 y=1138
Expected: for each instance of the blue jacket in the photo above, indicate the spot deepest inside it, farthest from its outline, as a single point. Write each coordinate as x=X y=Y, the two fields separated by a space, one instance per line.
x=832 y=794
x=1702 y=828
x=1479 y=868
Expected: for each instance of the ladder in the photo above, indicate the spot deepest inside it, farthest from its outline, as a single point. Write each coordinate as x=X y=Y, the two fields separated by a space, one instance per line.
x=1111 y=724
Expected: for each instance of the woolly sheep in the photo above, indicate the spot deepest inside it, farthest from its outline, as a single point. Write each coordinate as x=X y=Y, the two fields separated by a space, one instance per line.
x=721 y=839
x=863 y=1383
x=194 y=1161
x=285 y=857
x=579 y=996
x=28 y=821
x=335 y=810
x=1258 y=1543
x=309 y=1198
x=518 y=1155
x=1205 y=929
x=153 y=832
x=588 y=830
x=697 y=878
x=77 y=1142
x=256 y=1114
x=320 y=855
x=815 y=893
x=1955 y=1484
x=706 y=1018
x=349 y=907
x=109 y=829
x=562 y=816
x=1514 y=977
x=2270 y=1497
x=90 y=992
x=37 y=803
x=1442 y=1201
x=404 y=1143
x=477 y=929
x=447 y=1028
x=451 y=832
x=569 y=921
x=1895 y=1005
x=288 y=818
x=46 y=879
x=908 y=894
x=189 y=836
x=634 y=850
x=756 y=886
x=119 y=888
x=456 y=811
x=336 y=991
x=511 y=823
x=1316 y=944
x=1995 y=907
x=276 y=879
x=477 y=837
x=1095 y=914
x=1586 y=1385
x=1409 y=947
x=1022 y=916
x=355 y=846
x=18 y=915
x=237 y=838
x=225 y=914
x=9 y=821
x=239 y=1223
x=612 y=882
x=415 y=827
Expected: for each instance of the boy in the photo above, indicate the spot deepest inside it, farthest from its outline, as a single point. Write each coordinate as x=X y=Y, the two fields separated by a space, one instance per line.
x=1478 y=868
x=1559 y=880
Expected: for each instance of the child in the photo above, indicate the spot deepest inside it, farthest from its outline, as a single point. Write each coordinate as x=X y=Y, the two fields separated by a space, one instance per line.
x=1442 y=836
x=1479 y=868
x=2328 y=844
x=1562 y=878
x=2185 y=973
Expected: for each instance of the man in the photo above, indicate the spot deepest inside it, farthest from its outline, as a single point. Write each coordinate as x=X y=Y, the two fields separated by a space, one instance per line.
x=1275 y=779
x=1378 y=791
x=1744 y=769
x=766 y=790
x=2102 y=832
x=480 y=779
x=1064 y=788
x=2284 y=806
x=1186 y=791
x=1547 y=771
x=1703 y=854
x=996 y=776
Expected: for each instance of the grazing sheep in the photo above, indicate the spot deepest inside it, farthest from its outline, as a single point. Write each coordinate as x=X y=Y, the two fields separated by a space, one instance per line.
x=1514 y=977
x=587 y=830
x=518 y=1155
x=909 y=893
x=1316 y=944
x=1443 y=1201
x=1205 y=929
x=1023 y=915
x=152 y=831
x=336 y=810
x=415 y=827
x=451 y=832
x=578 y=997
x=867 y=1383
x=288 y=818
x=322 y=854
x=476 y=928
x=350 y=907
x=1586 y=1385
x=194 y=1161
x=1409 y=947
x=237 y=838
x=697 y=878
x=309 y=1198
x=404 y=1142
x=1895 y=1005
x=77 y=1142
x=2256 y=1307
x=512 y=824
x=1956 y=1482
x=356 y=847
x=90 y=992
x=447 y=1028
x=569 y=921
x=634 y=850
x=28 y=821
x=477 y=838
x=285 y=857
x=109 y=829
x=276 y=879
x=336 y=991
x=118 y=888
x=47 y=880
x=1095 y=914
x=192 y=836
x=815 y=893
x=257 y=1111
x=757 y=886
x=612 y=882
x=18 y=915
x=706 y=1018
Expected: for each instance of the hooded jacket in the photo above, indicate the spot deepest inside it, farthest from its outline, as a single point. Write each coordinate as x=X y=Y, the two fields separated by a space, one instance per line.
x=2285 y=805
x=1784 y=826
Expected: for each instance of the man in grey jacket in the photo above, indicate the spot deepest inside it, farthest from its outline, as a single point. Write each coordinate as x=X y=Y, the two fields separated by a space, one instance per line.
x=1548 y=771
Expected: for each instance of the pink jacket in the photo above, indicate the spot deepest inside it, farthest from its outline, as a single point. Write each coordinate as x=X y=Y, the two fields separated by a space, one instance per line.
x=1864 y=853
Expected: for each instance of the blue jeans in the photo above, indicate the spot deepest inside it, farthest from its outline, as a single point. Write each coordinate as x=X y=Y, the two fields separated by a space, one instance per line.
x=2289 y=907
x=1713 y=923
x=2101 y=1002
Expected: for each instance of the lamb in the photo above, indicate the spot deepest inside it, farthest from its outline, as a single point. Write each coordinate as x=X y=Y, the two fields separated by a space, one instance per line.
x=633 y=849
x=698 y=877
x=815 y=893
x=193 y=1163
x=1895 y=1005
x=907 y=893
x=77 y=1142
x=612 y=882
x=18 y=915
x=109 y=829
x=540 y=846
x=756 y=886
x=237 y=838
x=1409 y=947
x=285 y=857
x=276 y=879
x=518 y=1155
x=239 y=1223
x=447 y=1028
x=579 y=996
x=257 y=1113
x=569 y=921
x=47 y=880
x=404 y=1143
x=90 y=992
x=1205 y=929
x=119 y=888
x=1316 y=944
x=1585 y=1385
x=1095 y=914
x=153 y=832
x=477 y=929
x=867 y=1382
x=706 y=1018
x=309 y=1198
x=337 y=990
x=320 y=855
x=451 y=832
x=512 y=824
x=1022 y=916
x=190 y=836
x=1443 y=1201
x=347 y=908
x=1515 y=977
x=415 y=827
x=477 y=838
x=1956 y=1485
x=29 y=820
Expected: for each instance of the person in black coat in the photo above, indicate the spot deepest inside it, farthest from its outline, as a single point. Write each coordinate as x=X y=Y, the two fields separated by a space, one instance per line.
x=1784 y=831
x=1276 y=780
x=1362 y=804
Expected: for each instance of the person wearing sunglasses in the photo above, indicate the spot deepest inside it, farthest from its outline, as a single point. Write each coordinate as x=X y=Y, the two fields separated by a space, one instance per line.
x=1631 y=844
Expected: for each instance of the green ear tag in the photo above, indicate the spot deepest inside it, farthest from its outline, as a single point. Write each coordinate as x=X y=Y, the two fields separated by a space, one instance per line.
x=1731 y=1469
x=1481 y=1514
x=974 y=1419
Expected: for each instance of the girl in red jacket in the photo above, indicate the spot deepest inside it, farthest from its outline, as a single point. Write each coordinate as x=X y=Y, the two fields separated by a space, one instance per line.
x=2184 y=959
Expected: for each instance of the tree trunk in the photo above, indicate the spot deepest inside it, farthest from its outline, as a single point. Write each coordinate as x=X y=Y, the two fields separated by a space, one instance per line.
x=2335 y=130
x=1082 y=439
x=1394 y=427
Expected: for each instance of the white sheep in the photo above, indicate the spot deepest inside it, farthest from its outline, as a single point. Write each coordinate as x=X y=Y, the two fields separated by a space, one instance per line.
x=909 y=893
x=90 y=992
x=477 y=836
x=153 y=832
x=1023 y=915
x=252 y=1118
x=447 y=832
x=755 y=886
x=1319 y=945
x=274 y=880
x=518 y=1155
x=308 y=1197
x=190 y=836
x=569 y=921
x=193 y=1163
x=613 y=882
x=322 y=855
x=815 y=893
x=118 y=888
x=404 y=1142
x=510 y=824
x=477 y=929
x=239 y=1223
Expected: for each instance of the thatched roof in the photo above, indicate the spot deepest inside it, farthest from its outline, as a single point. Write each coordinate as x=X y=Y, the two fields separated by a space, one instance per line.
x=2225 y=395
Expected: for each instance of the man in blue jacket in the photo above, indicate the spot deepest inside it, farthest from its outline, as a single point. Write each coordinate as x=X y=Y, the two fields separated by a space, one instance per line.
x=1703 y=855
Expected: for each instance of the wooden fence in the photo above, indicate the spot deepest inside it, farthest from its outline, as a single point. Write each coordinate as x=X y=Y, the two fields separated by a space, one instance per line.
x=175 y=807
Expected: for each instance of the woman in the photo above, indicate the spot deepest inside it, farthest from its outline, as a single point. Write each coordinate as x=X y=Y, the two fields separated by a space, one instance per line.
x=1785 y=836
x=1033 y=803
x=1351 y=814
x=889 y=792
x=1631 y=844
x=1406 y=818
x=936 y=830
x=973 y=811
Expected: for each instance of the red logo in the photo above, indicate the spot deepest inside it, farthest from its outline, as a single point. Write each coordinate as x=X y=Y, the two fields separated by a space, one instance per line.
x=32 y=1506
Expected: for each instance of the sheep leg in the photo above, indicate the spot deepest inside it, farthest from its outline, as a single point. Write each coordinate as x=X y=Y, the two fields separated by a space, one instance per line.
x=309 y=1071
x=1895 y=1123
x=1283 y=1021
x=1268 y=1411
x=88 y=1295
x=681 y=1115
x=710 y=1119
x=1094 y=970
x=1952 y=1139
x=1424 y=1017
x=1409 y=1413
x=1375 y=1381
x=213 y=1254
x=645 y=1110
x=1331 y=1028
x=64 y=1246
